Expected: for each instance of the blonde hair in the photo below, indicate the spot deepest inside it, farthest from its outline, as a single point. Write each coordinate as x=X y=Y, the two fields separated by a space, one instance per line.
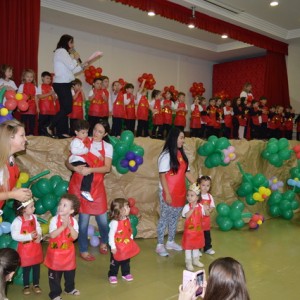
x=8 y=129
x=28 y=71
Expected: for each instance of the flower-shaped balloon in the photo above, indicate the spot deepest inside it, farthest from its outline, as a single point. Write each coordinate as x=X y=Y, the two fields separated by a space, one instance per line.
x=262 y=194
x=132 y=161
x=150 y=81
x=171 y=89
x=256 y=221
x=197 y=89
x=275 y=184
x=91 y=73
x=294 y=182
x=229 y=154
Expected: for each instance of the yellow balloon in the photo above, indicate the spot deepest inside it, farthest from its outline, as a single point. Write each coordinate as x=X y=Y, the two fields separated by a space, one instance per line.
x=132 y=163
x=3 y=111
x=259 y=222
x=1 y=219
x=268 y=192
x=257 y=196
x=262 y=190
x=19 y=96
x=274 y=180
x=18 y=184
x=24 y=177
x=45 y=228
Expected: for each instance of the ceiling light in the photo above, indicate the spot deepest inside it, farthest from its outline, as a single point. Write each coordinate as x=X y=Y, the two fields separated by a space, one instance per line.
x=151 y=13
x=274 y=3
x=224 y=36
x=192 y=19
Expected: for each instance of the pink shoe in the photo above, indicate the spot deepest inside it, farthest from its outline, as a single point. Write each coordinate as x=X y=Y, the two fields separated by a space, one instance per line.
x=113 y=279
x=128 y=277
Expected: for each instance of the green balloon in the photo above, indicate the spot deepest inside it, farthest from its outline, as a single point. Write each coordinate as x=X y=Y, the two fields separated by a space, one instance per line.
x=285 y=205
x=54 y=180
x=113 y=140
x=44 y=186
x=49 y=201
x=285 y=154
x=272 y=147
x=222 y=143
x=272 y=140
x=274 y=210
x=133 y=220
x=127 y=137
x=295 y=204
x=208 y=148
x=295 y=172
x=35 y=191
x=250 y=200
x=274 y=159
x=13 y=245
x=53 y=211
x=234 y=214
x=275 y=198
x=61 y=188
x=223 y=209
x=215 y=159
x=213 y=139
x=121 y=149
x=247 y=177
x=289 y=195
x=258 y=180
x=225 y=223
x=266 y=154
x=120 y=169
x=10 y=203
x=245 y=189
x=134 y=231
x=279 y=163
x=283 y=143
x=8 y=214
x=238 y=224
x=287 y=214
x=208 y=163
x=138 y=150
x=238 y=205
x=39 y=208
x=5 y=240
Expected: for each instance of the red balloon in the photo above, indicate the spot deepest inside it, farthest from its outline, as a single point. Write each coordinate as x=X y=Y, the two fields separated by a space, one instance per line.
x=11 y=104
x=131 y=202
x=298 y=155
x=297 y=148
x=134 y=210
x=92 y=68
x=10 y=95
x=23 y=105
x=253 y=225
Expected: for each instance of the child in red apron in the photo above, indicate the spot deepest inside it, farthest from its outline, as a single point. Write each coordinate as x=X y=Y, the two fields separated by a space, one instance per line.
x=28 y=87
x=193 y=237
x=27 y=231
x=195 y=124
x=46 y=101
x=118 y=109
x=121 y=242
x=60 y=256
x=142 y=113
x=157 y=114
x=209 y=205
x=228 y=117
x=167 y=108
x=180 y=108
x=289 y=116
x=129 y=101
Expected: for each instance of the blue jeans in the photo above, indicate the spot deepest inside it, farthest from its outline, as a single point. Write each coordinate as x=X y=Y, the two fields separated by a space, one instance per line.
x=83 y=222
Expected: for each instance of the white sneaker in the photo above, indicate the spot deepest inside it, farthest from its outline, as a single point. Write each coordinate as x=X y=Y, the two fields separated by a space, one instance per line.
x=161 y=250
x=210 y=251
x=173 y=246
x=200 y=253
x=87 y=196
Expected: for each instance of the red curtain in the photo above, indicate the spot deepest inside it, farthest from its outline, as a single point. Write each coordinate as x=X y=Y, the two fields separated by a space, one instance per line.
x=19 y=32
x=182 y=14
x=276 y=80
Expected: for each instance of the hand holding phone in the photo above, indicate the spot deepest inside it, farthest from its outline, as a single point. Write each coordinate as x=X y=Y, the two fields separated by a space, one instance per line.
x=197 y=277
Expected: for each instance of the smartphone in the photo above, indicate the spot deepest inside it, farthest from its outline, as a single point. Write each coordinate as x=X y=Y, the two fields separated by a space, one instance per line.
x=190 y=276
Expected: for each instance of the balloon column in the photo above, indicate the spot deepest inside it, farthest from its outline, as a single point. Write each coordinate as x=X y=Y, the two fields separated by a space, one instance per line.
x=134 y=211
x=283 y=204
x=150 y=81
x=197 y=89
x=277 y=151
x=231 y=216
x=253 y=188
x=172 y=90
x=127 y=155
x=255 y=221
x=218 y=152
x=222 y=95
x=122 y=83
x=91 y=73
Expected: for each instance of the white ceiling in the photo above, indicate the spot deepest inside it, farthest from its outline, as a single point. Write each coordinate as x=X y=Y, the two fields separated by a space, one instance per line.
x=108 y=18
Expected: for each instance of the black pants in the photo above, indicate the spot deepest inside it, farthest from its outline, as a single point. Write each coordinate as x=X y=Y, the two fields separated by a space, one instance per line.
x=115 y=264
x=87 y=180
x=264 y=131
x=44 y=120
x=54 y=282
x=130 y=125
x=142 y=128
x=29 y=122
x=157 y=131
x=235 y=128
x=289 y=134
x=202 y=131
x=227 y=132
x=255 y=132
x=35 y=274
x=116 y=126
x=210 y=130
x=166 y=129
x=207 y=238
x=61 y=121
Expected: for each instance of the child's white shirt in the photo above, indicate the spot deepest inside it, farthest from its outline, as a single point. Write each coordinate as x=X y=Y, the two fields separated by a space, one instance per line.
x=77 y=148
x=187 y=208
x=206 y=197
x=10 y=83
x=53 y=224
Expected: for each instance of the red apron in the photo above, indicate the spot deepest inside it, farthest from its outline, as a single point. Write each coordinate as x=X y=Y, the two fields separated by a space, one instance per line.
x=255 y=118
x=228 y=118
x=46 y=105
x=157 y=117
x=77 y=109
x=130 y=108
x=30 y=252
x=212 y=116
x=193 y=236
x=14 y=173
x=118 y=106
x=30 y=90
x=126 y=246
x=143 y=109
x=99 y=106
x=167 y=112
x=219 y=118
x=176 y=183
x=180 y=116
x=60 y=255
x=195 y=118
x=99 y=205
x=206 y=219
x=204 y=116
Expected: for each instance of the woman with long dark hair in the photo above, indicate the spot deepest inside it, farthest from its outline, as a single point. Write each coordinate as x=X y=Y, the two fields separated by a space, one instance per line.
x=173 y=167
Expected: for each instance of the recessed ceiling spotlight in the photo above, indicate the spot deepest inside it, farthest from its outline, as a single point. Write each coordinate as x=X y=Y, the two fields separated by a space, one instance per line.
x=224 y=36
x=191 y=24
x=274 y=3
x=151 y=13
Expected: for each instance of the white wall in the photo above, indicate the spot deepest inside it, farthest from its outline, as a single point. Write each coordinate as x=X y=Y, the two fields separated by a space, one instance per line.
x=128 y=61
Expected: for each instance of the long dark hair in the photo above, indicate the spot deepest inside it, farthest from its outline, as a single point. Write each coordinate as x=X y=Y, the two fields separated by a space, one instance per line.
x=9 y=262
x=226 y=280
x=64 y=42
x=171 y=147
x=106 y=126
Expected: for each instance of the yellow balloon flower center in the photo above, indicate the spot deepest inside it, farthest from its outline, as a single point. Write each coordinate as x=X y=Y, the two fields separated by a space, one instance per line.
x=296 y=179
x=275 y=180
x=132 y=163
x=19 y=96
x=231 y=155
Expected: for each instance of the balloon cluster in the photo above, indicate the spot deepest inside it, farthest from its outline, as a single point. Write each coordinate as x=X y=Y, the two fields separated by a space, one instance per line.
x=134 y=221
x=16 y=100
x=172 y=90
x=277 y=151
x=256 y=220
x=93 y=236
x=150 y=81
x=4 y=227
x=48 y=193
x=253 y=188
x=133 y=209
x=197 y=89
x=222 y=95
x=122 y=83
x=296 y=149
x=275 y=184
x=91 y=73
x=231 y=216
x=219 y=152
x=295 y=176
x=283 y=204
x=127 y=155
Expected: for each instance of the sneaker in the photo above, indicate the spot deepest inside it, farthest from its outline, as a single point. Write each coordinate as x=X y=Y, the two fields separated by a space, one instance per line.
x=36 y=289
x=128 y=277
x=113 y=279
x=200 y=253
x=57 y=298
x=26 y=290
x=161 y=250
x=173 y=246
x=210 y=251
x=87 y=196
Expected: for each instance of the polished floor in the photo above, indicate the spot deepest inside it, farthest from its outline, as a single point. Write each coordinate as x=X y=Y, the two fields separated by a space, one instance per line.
x=270 y=256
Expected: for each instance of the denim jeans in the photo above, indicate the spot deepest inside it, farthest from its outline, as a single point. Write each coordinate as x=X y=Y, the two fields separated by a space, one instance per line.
x=83 y=222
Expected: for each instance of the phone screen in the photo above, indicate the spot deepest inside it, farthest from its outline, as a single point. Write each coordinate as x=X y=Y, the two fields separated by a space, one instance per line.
x=199 y=280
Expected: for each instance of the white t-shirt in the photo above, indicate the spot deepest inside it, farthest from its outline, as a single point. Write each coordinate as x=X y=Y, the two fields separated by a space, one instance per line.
x=186 y=209
x=206 y=197
x=10 y=83
x=77 y=147
x=97 y=146
x=53 y=225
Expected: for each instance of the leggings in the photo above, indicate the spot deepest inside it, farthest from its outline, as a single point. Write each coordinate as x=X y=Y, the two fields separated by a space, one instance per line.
x=168 y=218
